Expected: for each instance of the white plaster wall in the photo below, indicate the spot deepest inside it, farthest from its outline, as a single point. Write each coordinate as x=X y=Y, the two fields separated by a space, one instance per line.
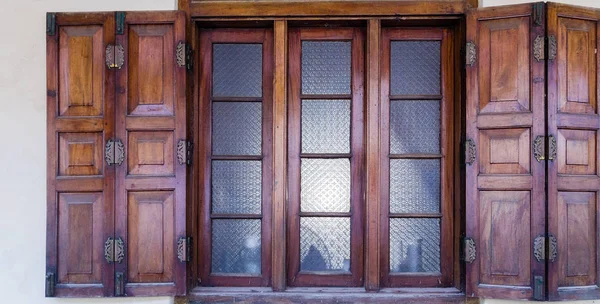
x=23 y=138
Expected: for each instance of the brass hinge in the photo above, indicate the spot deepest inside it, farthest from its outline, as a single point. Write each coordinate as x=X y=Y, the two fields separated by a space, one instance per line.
x=50 y=284
x=539 y=48
x=471 y=53
x=184 y=152
x=470 y=250
x=120 y=18
x=114 y=152
x=184 y=249
x=115 y=56
x=470 y=152
x=538 y=288
x=51 y=24
x=119 y=284
x=538 y=13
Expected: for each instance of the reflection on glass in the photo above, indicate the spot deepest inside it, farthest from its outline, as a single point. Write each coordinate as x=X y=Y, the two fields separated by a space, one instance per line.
x=415 y=185
x=324 y=244
x=236 y=246
x=325 y=185
x=414 y=245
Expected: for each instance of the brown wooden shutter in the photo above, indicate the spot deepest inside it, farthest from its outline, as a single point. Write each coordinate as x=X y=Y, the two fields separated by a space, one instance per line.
x=151 y=182
x=505 y=200
x=80 y=187
x=573 y=168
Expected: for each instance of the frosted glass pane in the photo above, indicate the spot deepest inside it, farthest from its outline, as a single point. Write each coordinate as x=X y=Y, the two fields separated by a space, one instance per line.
x=236 y=246
x=415 y=68
x=237 y=128
x=325 y=185
x=414 y=186
x=415 y=126
x=414 y=245
x=324 y=244
x=237 y=70
x=326 y=126
x=236 y=187
x=326 y=67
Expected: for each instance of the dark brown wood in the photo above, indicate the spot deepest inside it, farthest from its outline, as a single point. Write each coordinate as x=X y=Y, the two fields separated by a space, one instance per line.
x=505 y=198
x=447 y=158
x=150 y=190
x=295 y=276
x=207 y=39
x=573 y=176
x=80 y=183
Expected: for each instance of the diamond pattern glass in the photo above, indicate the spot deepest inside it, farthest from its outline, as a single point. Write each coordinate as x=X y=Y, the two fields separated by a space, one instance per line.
x=415 y=68
x=236 y=246
x=237 y=70
x=236 y=128
x=325 y=126
x=414 y=186
x=324 y=244
x=414 y=245
x=325 y=185
x=236 y=187
x=414 y=126
x=326 y=67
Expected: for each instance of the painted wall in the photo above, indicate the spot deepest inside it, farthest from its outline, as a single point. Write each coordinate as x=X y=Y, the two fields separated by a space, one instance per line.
x=23 y=148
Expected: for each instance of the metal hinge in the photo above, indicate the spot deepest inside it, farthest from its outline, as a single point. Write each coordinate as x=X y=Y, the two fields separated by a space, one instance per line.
x=470 y=250
x=184 y=152
x=114 y=250
x=552 y=47
x=539 y=148
x=114 y=152
x=539 y=48
x=470 y=53
x=51 y=24
x=184 y=55
x=119 y=284
x=470 y=152
x=541 y=252
x=115 y=56
x=50 y=284
x=120 y=18
x=184 y=249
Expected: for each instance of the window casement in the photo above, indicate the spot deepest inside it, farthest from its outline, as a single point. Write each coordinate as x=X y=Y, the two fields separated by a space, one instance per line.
x=269 y=151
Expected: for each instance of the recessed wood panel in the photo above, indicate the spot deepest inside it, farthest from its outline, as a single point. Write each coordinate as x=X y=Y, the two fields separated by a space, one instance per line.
x=577 y=238
x=151 y=70
x=151 y=244
x=576 y=152
x=505 y=240
x=505 y=151
x=80 y=154
x=504 y=67
x=576 y=66
x=150 y=153
x=81 y=71
x=80 y=238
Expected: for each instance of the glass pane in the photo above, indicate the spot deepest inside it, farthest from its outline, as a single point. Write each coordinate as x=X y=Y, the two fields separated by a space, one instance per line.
x=326 y=67
x=236 y=187
x=236 y=246
x=237 y=128
x=414 y=245
x=415 y=126
x=414 y=185
x=325 y=185
x=415 y=68
x=237 y=70
x=324 y=244
x=325 y=126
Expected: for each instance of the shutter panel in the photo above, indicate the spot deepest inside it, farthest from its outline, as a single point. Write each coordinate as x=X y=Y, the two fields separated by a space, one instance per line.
x=504 y=182
x=573 y=172
x=151 y=182
x=80 y=96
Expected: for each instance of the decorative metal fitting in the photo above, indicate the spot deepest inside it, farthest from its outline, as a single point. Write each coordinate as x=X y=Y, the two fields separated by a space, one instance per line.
x=552 y=147
x=539 y=148
x=553 y=248
x=115 y=56
x=538 y=48
x=183 y=249
x=109 y=250
x=119 y=250
x=182 y=152
x=470 y=152
x=180 y=54
x=471 y=53
x=470 y=250
x=539 y=248
x=50 y=284
x=552 y=48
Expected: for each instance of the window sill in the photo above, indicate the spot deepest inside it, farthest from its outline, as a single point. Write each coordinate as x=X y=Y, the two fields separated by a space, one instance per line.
x=325 y=295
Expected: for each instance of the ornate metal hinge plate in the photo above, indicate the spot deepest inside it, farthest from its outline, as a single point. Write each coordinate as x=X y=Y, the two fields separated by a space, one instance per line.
x=120 y=18
x=189 y=57
x=539 y=148
x=180 y=54
x=471 y=53
x=184 y=248
x=539 y=45
x=470 y=152
x=552 y=248
x=50 y=284
x=551 y=147
x=184 y=152
x=51 y=24
x=119 y=250
x=109 y=250
x=114 y=152
x=470 y=250
x=552 y=48
x=119 y=284
x=115 y=56
x=539 y=248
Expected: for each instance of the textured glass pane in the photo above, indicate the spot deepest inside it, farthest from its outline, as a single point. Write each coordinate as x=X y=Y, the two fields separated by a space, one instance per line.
x=326 y=126
x=236 y=246
x=415 y=126
x=414 y=245
x=325 y=185
x=415 y=68
x=237 y=70
x=326 y=67
x=324 y=244
x=414 y=185
x=237 y=128
x=236 y=187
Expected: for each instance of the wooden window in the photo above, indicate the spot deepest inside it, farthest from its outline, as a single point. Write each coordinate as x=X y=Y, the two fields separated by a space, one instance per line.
x=235 y=169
